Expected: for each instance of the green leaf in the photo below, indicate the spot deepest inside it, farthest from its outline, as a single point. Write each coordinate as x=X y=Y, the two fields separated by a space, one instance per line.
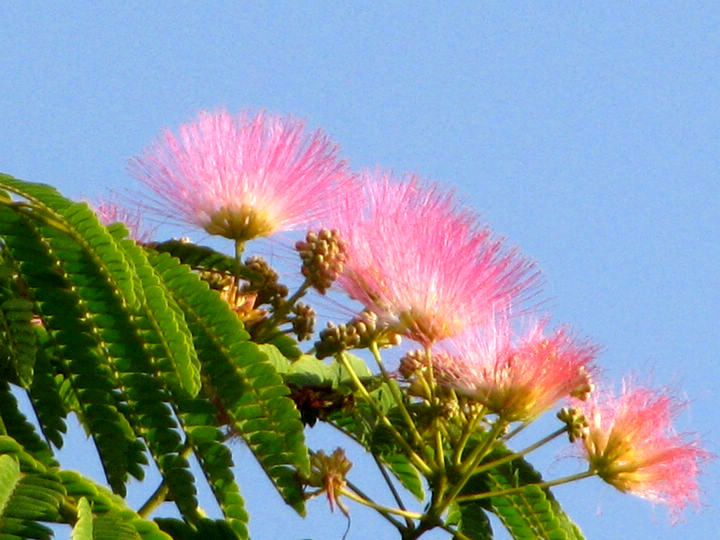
x=13 y=448
x=286 y=345
x=207 y=529
x=276 y=358
x=383 y=396
x=45 y=391
x=18 y=427
x=16 y=315
x=200 y=257
x=340 y=375
x=157 y=353
x=123 y=341
x=112 y=519
x=406 y=473
x=533 y=509
x=309 y=371
x=200 y=419
x=81 y=224
x=362 y=422
x=26 y=497
x=80 y=307
x=167 y=320
x=37 y=497
x=9 y=479
x=114 y=526
x=83 y=529
x=531 y=512
x=474 y=522
x=242 y=380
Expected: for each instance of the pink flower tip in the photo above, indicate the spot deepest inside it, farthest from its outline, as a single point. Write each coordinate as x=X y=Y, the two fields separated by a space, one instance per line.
x=516 y=379
x=111 y=212
x=423 y=265
x=241 y=176
x=631 y=444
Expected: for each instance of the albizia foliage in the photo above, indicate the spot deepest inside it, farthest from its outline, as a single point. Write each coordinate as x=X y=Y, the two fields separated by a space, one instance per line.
x=168 y=352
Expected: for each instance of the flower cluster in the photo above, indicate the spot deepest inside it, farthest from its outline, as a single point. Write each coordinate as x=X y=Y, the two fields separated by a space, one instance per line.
x=425 y=267
x=631 y=444
x=422 y=266
x=241 y=177
x=517 y=381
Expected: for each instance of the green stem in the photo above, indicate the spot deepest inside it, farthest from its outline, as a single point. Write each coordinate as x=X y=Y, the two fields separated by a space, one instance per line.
x=158 y=496
x=515 y=431
x=456 y=535
x=439 y=450
x=474 y=466
x=510 y=491
x=290 y=302
x=481 y=450
x=469 y=429
x=397 y=396
x=391 y=486
x=239 y=248
x=515 y=455
x=472 y=462
x=416 y=459
x=279 y=314
x=368 y=502
x=155 y=500
x=379 y=507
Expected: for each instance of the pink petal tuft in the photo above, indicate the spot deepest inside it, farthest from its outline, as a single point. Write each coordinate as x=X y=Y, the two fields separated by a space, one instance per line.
x=240 y=176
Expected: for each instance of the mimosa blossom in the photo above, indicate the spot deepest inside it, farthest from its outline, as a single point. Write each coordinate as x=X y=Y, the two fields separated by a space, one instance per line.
x=631 y=444
x=241 y=177
x=426 y=268
x=110 y=212
x=518 y=381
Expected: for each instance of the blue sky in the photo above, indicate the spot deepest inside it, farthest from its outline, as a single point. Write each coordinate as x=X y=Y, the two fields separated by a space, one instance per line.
x=586 y=133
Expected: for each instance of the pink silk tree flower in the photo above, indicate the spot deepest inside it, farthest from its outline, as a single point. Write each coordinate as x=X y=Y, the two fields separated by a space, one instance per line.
x=517 y=381
x=631 y=444
x=241 y=177
x=110 y=212
x=426 y=268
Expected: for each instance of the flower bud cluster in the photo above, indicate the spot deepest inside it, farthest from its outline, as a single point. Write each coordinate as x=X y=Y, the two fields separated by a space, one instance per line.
x=303 y=324
x=218 y=281
x=264 y=282
x=323 y=256
x=412 y=362
x=359 y=333
x=335 y=339
x=577 y=424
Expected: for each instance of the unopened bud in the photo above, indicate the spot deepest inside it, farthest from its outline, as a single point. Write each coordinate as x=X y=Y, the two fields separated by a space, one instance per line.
x=336 y=339
x=412 y=362
x=323 y=257
x=577 y=424
x=303 y=323
x=264 y=282
x=365 y=324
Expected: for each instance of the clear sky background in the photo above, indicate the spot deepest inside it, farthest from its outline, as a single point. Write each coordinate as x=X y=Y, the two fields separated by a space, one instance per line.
x=586 y=132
